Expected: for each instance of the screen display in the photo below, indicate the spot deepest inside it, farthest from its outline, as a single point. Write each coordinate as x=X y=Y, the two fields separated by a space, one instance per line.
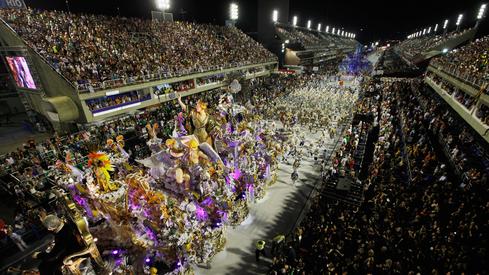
x=20 y=71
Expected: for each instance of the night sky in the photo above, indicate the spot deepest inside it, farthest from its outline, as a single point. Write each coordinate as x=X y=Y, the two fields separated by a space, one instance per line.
x=371 y=20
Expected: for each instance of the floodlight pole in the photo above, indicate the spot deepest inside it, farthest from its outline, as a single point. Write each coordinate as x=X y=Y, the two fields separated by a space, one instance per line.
x=481 y=15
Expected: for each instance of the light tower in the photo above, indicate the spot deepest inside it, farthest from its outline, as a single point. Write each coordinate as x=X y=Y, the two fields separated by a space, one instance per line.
x=275 y=16
x=445 y=27
x=233 y=12
x=481 y=14
x=459 y=21
x=163 y=5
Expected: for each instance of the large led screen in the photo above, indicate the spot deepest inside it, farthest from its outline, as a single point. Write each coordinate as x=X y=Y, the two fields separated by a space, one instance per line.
x=20 y=71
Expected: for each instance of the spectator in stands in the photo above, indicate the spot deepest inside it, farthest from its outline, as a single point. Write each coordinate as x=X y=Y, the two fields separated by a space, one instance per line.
x=93 y=49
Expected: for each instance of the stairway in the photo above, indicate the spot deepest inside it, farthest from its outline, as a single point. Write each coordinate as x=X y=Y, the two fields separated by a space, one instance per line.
x=354 y=196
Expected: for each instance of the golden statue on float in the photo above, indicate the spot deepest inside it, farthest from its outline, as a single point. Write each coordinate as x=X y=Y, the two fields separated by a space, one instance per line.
x=100 y=164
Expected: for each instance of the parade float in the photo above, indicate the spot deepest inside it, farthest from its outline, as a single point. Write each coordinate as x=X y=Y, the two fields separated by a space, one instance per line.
x=170 y=210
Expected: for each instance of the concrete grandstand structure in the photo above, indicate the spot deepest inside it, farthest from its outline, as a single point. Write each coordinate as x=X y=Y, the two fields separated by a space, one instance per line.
x=65 y=103
x=309 y=47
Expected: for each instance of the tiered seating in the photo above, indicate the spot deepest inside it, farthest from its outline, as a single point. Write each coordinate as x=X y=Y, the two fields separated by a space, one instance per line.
x=94 y=49
x=431 y=224
x=410 y=48
x=471 y=60
x=311 y=39
x=295 y=35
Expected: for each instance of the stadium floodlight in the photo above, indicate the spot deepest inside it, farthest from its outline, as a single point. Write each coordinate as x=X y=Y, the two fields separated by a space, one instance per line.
x=319 y=27
x=163 y=4
x=424 y=31
x=482 y=12
x=436 y=28
x=294 y=21
x=445 y=25
x=338 y=32
x=333 y=32
x=429 y=30
x=327 y=28
x=275 y=15
x=233 y=11
x=459 y=19
x=342 y=33
x=309 y=24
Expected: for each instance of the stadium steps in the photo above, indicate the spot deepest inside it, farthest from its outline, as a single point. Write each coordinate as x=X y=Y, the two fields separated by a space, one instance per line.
x=353 y=197
x=449 y=44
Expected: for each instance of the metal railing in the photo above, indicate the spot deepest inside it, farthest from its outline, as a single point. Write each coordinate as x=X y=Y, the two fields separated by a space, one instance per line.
x=453 y=70
x=118 y=82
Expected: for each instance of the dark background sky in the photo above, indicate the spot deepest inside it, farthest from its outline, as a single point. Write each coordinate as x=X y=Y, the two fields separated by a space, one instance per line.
x=371 y=20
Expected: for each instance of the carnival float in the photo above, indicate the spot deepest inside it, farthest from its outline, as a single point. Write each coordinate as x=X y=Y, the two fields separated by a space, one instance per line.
x=163 y=213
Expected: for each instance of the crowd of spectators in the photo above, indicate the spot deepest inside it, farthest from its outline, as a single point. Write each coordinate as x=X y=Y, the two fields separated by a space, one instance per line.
x=470 y=60
x=410 y=48
x=115 y=100
x=311 y=39
x=90 y=49
x=483 y=113
x=465 y=99
x=417 y=216
x=210 y=79
x=298 y=36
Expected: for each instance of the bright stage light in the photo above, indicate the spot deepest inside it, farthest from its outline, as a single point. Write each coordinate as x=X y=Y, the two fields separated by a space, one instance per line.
x=429 y=30
x=459 y=19
x=436 y=27
x=319 y=27
x=333 y=32
x=338 y=32
x=275 y=15
x=424 y=31
x=309 y=24
x=445 y=25
x=163 y=4
x=233 y=11
x=327 y=28
x=482 y=12
x=294 y=21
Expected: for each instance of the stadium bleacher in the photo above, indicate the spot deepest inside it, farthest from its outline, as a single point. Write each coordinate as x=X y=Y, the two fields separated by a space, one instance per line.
x=93 y=49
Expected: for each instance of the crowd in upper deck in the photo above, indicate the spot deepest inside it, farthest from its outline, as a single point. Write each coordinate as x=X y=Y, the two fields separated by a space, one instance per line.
x=89 y=49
